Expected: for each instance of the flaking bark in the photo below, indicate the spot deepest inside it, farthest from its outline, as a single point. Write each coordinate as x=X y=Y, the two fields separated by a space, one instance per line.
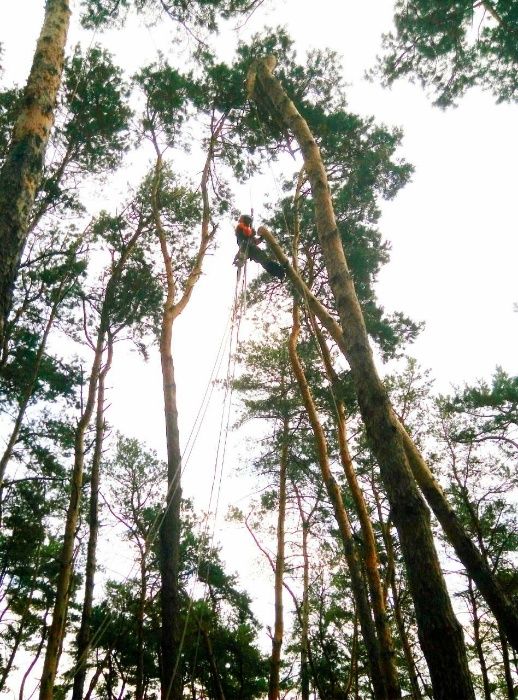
x=21 y=172
x=440 y=633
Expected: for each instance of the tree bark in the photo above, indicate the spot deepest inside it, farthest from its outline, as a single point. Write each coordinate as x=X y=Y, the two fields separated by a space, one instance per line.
x=274 y=692
x=474 y=563
x=387 y=654
x=21 y=172
x=335 y=496
x=478 y=640
x=171 y=670
x=509 y=685
x=440 y=633
x=83 y=637
x=57 y=628
x=396 y=601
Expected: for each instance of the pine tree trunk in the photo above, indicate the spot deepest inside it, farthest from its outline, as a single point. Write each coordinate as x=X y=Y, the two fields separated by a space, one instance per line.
x=83 y=637
x=58 y=625
x=357 y=584
x=8 y=664
x=274 y=692
x=171 y=668
x=21 y=172
x=440 y=633
x=139 y=686
x=171 y=679
x=36 y=656
x=387 y=654
x=398 y=613
x=509 y=685
x=478 y=640
x=304 y=632
x=57 y=628
x=474 y=563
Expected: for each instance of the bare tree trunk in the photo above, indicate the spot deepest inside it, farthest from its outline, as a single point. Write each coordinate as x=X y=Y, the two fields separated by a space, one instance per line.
x=387 y=654
x=57 y=628
x=35 y=657
x=478 y=640
x=507 y=666
x=274 y=692
x=171 y=670
x=358 y=587
x=83 y=637
x=21 y=172
x=398 y=613
x=440 y=633
x=139 y=689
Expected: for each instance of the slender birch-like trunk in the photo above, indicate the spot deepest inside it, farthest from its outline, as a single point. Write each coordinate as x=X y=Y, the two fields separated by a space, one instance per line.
x=21 y=172
x=440 y=633
x=274 y=692
x=84 y=634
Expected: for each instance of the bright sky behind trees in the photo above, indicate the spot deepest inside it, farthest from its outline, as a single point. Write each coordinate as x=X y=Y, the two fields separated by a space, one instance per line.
x=453 y=228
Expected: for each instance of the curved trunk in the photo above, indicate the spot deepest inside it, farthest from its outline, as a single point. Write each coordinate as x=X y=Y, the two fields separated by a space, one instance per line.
x=440 y=633
x=83 y=637
x=387 y=654
x=58 y=625
x=21 y=172
x=357 y=584
x=278 y=628
x=57 y=628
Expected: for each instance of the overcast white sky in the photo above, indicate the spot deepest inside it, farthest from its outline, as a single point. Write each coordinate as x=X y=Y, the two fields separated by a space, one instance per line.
x=453 y=228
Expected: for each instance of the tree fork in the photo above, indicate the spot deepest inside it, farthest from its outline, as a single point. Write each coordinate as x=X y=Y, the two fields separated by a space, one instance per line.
x=21 y=172
x=440 y=633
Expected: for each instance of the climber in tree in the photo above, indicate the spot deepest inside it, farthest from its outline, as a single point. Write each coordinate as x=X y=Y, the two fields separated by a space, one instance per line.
x=249 y=248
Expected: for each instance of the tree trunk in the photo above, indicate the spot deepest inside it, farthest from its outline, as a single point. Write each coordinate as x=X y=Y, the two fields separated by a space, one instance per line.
x=398 y=613
x=511 y=695
x=440 y=633
x=216 y=678
x=7 y=664
x=274 y=692
x=387 y=654
x=57 y=628
x=474 y=563
x=171 y=670
x=35 y=657
x=335 y=496
x=478 y=640
x=83 y=637
x=139 y=686
x=21 y=172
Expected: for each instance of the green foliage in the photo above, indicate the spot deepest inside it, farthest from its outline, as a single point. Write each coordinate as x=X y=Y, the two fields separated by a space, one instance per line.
x=202 y=14
x=166 y=93
x=452 y=45
x=95 y=96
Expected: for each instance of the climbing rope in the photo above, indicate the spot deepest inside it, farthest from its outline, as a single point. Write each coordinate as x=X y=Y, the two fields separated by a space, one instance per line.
x=230 y=336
